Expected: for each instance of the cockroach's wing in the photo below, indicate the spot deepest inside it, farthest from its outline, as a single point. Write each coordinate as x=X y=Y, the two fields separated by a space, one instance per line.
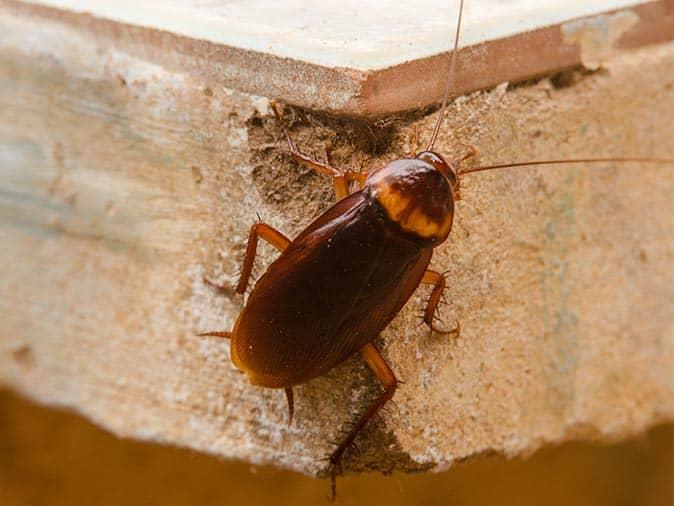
x=333 y=290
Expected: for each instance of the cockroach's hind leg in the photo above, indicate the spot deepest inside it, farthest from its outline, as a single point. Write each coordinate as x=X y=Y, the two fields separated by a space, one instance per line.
x=223 y=334
x=291 y=404
x=376 y=362
x=333 y=471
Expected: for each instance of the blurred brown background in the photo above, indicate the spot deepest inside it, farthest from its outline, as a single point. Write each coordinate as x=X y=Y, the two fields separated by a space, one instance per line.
x=53 y=457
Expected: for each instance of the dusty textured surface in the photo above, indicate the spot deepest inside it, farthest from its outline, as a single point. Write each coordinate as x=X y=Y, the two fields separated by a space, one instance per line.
x=61 y=452
x=349 y=69
x=123 y=183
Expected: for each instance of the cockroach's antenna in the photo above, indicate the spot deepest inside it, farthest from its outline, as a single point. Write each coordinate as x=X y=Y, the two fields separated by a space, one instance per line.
x=450 y=76
x=570 y=161
x=461 y=171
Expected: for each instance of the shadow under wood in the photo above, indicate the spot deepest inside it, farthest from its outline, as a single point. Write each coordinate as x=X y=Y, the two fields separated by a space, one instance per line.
x=52 y=457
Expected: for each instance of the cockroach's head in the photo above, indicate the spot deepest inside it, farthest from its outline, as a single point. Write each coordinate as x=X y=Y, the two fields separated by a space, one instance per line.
x=448 y=169
x=418 y=194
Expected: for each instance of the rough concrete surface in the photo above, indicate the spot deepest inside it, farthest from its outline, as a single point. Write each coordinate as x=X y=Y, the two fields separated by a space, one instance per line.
x=123 y=183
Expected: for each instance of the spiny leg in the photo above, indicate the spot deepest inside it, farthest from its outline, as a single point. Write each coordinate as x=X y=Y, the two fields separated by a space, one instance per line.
x=381 y=369
x=470 y=153
x=350 y=175
x=291 y=404
x=438 y=281
x=339 y=180
x=414 y=142
x=269 y=234
x=224 y=334
x=358 y=177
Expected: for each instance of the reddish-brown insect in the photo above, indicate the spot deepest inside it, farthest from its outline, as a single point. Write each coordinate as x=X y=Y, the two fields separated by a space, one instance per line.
x=338 y=284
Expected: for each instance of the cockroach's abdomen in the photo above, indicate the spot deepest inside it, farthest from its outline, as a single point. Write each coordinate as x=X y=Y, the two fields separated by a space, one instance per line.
x=332 y=291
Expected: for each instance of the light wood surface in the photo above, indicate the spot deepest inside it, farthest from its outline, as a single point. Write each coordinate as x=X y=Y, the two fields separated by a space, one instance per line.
x=346 y=33
x=361 y=58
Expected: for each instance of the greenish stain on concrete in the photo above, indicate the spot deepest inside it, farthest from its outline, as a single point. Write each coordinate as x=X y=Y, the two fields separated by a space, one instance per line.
x=557 y=285
x=26 y=204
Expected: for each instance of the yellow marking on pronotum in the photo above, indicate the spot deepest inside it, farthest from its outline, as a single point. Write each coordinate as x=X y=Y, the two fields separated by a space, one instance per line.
x=406 y=212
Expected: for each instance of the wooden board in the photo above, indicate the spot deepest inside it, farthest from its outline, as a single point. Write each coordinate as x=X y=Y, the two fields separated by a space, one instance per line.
x=363 y=58
x=347 y=33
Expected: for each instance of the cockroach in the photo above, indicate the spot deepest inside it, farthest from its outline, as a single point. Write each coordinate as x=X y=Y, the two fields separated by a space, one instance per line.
x=319 y=303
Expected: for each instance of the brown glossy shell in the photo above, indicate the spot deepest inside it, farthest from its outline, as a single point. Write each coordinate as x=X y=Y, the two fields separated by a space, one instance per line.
x=333 y=290
x=415 y=195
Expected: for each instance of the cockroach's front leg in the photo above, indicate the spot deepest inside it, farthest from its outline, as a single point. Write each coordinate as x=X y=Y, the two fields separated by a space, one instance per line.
x=381 y=369
x=471 y=152
x=269 y=234
x=340 y=180
x=438 y=281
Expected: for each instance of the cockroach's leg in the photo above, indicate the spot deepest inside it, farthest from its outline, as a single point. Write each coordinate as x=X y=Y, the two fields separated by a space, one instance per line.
x=381 y=369
x=471 y=152
x=350 y=175
x=291 y=404
x=269 y=234
x=414 y=141
x=358 y=177
x=338 y=179
x=225 y=334
x=328 y=154
x=438 y=281
x=223 y=289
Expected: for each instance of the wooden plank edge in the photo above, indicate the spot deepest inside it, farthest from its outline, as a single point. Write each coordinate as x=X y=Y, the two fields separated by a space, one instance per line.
x=367 y=94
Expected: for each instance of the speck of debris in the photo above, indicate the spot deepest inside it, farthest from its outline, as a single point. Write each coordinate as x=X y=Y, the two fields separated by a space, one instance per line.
x=23 y=355
x=110 y=209
x=198 y=176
